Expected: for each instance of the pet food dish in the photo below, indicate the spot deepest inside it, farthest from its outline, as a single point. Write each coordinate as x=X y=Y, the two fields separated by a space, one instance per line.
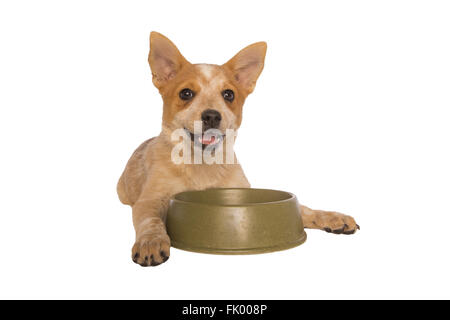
x=235 y=221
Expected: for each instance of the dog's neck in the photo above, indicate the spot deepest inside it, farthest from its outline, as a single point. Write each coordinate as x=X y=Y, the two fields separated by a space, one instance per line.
x=201 y=175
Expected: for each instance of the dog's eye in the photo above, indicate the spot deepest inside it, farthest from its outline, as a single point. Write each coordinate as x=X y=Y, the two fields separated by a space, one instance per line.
x=228 y=95
x=186 y=94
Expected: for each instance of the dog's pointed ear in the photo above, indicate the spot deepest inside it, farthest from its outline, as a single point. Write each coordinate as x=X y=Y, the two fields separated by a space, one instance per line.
x=164 y=58
x=247 y=65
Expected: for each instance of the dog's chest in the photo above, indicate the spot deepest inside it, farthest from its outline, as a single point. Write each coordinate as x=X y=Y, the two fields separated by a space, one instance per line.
x=206 y=176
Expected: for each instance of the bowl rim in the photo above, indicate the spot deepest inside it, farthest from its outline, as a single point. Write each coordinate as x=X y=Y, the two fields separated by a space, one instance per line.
x=290 y=198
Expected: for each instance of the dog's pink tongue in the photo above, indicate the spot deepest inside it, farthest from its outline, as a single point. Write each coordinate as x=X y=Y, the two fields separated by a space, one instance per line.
x=208 y=140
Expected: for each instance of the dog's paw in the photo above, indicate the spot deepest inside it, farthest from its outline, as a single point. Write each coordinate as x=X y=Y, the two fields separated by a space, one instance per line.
x=151 y=250
x=335 y=222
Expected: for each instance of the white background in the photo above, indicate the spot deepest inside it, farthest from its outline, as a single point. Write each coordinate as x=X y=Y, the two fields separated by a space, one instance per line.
x=354 y=101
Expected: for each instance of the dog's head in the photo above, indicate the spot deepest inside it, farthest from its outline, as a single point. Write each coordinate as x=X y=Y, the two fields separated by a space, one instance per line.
x=212 y=94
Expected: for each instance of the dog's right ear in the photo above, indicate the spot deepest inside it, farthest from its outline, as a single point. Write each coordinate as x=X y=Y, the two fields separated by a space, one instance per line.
x=164 y=58
x=247 y=64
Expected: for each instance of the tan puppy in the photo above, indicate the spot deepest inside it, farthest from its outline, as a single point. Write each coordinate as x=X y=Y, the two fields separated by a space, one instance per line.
x=211 y=94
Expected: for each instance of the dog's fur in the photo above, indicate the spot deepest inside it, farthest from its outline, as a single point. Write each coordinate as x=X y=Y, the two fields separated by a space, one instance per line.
x=151 y=178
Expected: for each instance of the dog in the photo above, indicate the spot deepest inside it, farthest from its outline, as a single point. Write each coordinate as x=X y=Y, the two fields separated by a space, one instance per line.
x=214 y=95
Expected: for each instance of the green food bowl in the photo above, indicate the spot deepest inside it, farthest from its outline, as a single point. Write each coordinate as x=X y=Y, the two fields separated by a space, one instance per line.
x=235 y=221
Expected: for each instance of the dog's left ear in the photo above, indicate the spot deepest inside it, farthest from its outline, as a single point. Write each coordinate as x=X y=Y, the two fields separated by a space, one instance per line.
x=165 y=59
x=247 y=65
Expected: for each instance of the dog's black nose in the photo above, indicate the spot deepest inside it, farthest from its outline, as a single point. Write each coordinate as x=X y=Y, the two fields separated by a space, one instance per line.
x=211 y=119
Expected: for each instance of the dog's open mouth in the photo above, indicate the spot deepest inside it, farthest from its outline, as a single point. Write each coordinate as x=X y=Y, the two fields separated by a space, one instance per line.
x=207 y=138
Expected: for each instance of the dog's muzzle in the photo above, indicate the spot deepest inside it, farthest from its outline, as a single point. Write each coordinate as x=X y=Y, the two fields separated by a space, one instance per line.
x=208 y=138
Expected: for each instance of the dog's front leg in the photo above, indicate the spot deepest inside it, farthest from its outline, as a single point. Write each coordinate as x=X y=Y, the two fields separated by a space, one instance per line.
x=328 y=221
x=152 y=246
